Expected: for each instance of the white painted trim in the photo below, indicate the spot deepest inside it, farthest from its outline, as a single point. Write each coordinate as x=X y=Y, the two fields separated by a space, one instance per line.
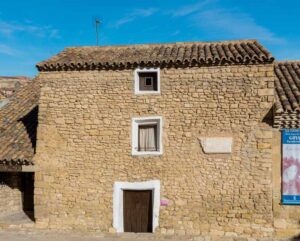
x=118 y=218
x=137 y=90
x=134 y=134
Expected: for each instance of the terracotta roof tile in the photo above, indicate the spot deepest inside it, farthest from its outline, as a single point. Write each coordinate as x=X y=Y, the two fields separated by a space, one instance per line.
x=18 y=124
x=197 y=53
x=287 y=86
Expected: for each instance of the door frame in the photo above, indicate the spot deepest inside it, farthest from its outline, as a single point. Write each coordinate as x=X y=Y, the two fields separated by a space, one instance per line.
x=119 y=187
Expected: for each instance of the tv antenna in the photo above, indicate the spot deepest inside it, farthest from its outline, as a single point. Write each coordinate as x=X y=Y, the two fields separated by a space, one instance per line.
x=97 y=24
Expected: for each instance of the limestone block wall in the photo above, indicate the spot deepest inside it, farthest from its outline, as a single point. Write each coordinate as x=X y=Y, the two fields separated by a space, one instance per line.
x=286 y=217
x=10 y=193
x=84 y=146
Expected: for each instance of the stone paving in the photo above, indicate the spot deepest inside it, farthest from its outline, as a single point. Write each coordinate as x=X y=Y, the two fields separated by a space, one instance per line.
x=41 y=235
x=17 y=226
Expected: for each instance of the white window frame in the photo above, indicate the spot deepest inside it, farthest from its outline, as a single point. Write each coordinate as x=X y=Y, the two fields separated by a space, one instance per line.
x=137 y=90
x=119 y=187
x=135 y=134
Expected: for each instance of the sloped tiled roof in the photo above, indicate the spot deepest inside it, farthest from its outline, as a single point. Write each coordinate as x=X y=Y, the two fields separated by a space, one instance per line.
x=193 y=53
x=287 y=85
x=18 y=124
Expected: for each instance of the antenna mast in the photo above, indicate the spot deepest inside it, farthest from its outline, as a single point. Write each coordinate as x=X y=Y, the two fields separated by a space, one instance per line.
x=97 y=23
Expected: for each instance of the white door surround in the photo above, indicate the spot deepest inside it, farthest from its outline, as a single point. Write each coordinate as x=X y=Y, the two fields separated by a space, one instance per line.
x=118 y=218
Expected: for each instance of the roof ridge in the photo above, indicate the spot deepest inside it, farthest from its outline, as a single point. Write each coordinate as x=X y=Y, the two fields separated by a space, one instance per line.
x=164 y=54
x=166 y=43
x=286 y=61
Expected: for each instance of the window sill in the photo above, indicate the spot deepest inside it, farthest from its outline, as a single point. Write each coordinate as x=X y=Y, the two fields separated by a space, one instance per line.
x=147 y=153
x=147 y=93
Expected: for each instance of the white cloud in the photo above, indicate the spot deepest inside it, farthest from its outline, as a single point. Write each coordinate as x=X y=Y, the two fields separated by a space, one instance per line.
x=9 y=28
x=135 y=14
x=7 y=50
x=190 y=9
x=234 y=24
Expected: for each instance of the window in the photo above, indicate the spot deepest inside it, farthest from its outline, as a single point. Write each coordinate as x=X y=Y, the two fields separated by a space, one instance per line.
x=147 y=81
x=147 y=136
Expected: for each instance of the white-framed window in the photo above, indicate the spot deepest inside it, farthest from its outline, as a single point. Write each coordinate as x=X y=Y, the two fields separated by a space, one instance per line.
x=147 y=136
x=147 y=81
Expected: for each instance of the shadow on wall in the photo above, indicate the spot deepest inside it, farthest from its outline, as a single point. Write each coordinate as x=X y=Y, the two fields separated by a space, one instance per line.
x=296 y=238
x=28 y=194
x=24 y=183
x=10 y=179
x=30 y=121
x=268 y=118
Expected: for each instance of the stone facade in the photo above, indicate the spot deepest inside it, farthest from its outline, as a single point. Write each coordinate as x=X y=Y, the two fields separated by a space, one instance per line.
x=84 y=147
x=10 y=193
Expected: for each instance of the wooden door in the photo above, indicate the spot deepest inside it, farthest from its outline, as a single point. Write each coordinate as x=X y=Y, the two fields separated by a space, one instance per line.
x=137 y=211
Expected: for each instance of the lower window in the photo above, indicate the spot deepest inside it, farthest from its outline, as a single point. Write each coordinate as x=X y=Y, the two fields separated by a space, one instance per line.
x=146 y=136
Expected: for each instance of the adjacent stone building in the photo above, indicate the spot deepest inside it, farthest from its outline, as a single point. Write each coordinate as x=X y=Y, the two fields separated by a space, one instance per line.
x=18 y=127
x=176 y=139
x=9 y=84
x=286 y=115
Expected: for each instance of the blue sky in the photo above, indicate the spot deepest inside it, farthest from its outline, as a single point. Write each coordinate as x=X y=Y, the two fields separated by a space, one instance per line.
x=34 y=30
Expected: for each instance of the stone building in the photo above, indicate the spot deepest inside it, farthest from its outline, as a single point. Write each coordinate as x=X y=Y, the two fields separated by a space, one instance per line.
x=286 y=115
x=179 y=138
x=9 y=84
x=18 y=127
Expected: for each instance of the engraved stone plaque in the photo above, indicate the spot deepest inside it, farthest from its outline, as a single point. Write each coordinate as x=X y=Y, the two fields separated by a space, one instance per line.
x=216 y=144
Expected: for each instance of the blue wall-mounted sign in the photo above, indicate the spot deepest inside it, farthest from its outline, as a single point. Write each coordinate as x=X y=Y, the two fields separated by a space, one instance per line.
x=291 y=166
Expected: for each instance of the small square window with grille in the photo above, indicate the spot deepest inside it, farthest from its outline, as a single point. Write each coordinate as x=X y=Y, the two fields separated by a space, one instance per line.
x=147 y=81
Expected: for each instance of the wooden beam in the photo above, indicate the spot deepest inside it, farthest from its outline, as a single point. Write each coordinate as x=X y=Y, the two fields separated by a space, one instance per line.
x=17 y=168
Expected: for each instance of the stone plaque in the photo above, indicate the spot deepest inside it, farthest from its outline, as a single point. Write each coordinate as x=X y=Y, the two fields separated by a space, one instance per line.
x=216 y=144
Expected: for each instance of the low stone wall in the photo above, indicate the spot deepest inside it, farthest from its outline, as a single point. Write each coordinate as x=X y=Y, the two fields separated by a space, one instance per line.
x=10 y=193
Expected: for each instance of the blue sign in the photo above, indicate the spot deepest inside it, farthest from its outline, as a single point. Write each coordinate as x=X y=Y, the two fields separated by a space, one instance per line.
x=291 y=166
x=291 y=136
x=291 y=199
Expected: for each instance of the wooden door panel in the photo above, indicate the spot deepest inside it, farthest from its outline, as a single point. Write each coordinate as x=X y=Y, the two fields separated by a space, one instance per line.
x=137 y=211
